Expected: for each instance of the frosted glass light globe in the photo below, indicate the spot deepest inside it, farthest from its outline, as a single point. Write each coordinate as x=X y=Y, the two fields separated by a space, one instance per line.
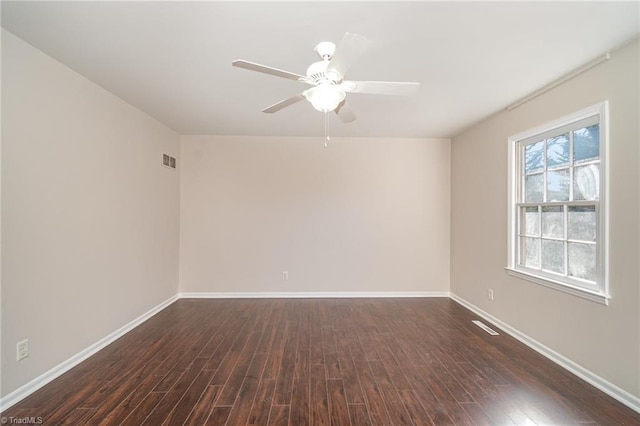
x=325 y=97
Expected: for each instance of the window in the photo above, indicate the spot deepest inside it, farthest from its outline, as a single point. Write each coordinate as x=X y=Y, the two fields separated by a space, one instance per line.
x=557 y=204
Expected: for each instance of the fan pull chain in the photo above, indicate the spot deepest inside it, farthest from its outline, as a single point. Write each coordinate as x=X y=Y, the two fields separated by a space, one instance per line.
x=326 y=129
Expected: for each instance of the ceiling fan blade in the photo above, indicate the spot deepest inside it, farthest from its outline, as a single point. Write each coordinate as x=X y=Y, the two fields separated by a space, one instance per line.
x=400 y=88
x=284 y=103
x=347 y=53
x=267 y=70
x=344 y=113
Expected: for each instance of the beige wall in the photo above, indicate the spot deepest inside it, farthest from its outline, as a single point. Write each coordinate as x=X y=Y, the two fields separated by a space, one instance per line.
x=89 y=216
x=603 y=339
x=363 y=215
x=90 y=219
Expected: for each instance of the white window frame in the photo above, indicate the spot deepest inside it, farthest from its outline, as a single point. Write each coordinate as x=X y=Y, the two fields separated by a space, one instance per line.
x=600 y=293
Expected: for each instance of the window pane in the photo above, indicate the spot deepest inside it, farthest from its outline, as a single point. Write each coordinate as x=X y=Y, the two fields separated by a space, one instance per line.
x=586 y=182
x=586 y=143
x=553 y=222
x=582 y=223
x=533 y=157
x=533 y=188
x=529 y=250
x=582 y=261
x=558 y=185
x=553 y=256
x=558 y=151
x=530 y=221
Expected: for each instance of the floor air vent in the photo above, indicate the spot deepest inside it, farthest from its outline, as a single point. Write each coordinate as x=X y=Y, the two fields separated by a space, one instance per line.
x=485 y=327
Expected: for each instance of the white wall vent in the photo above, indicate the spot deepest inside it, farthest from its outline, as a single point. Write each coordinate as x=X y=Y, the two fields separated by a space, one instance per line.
x=168 y=161
x=485 y=327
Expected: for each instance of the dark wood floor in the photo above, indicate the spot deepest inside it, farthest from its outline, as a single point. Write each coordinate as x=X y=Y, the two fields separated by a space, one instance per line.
x=318 y=361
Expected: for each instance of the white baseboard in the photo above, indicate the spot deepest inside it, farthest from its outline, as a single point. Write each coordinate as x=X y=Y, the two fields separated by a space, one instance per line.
x=605 y=386
x=35 y=384
x=310 y=295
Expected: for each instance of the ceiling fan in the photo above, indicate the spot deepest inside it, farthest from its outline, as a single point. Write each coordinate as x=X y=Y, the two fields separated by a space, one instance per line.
x=327 y=78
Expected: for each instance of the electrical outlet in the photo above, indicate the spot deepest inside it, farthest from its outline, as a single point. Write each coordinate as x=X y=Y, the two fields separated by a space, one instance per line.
x=490 y=294
x=285 y=275
x=22 y=350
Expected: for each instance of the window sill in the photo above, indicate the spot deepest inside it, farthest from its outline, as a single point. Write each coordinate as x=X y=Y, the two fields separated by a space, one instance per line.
x=602 y=299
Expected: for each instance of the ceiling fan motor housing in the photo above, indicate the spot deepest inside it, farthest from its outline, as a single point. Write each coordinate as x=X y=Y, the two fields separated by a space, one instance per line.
x=318 y=72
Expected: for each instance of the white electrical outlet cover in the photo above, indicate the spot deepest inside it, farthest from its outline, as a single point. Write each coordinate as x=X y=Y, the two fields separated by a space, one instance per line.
x=22 y=349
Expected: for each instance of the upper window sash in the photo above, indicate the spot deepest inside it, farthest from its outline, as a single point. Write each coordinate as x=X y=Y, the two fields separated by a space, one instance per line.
x=594 y=118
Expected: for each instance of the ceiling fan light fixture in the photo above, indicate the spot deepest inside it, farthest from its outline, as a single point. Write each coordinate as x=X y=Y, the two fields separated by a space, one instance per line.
x=326 y=78
x=325 y=97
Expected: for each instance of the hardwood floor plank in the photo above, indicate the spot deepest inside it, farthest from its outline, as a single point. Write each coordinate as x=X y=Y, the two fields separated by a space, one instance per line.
x=395 y=407
x=333 y=366
x=275 y=354
x=182 y=364
x=57 y=413
x=396 y=373
x=146 y=363
x=541 y=401
x=417 y=413
x=352 y=388
x=222 y=350
x=114 y=415
x=477 y=385
x=140 y=413
x=495 y=401
x=191 y=396
x=240 y=370
x=286 y=371
x=319 y=400
x=189 y=340
x=375 y=402
x=367 y=343
x=557 y=390
x=237 y=353
x=301 y=368
x=219 y=416
x=176 y=393
x=477 y=414
x=279 y=415
x=516 y=411
x=451 y=383
x=525 y=401
x=304 y=332
x=261 y=408
x=300 y=402
x=603 y=410
x=318 y=361
x=126 y=393
x=248 y=390
x=204 y=406
x=338 y=411
x=316 y=353
x=212 y=345
x=330 y=351
x=421 y=386
x=359 y=415
x=446 y=401
x=268 y=335
x=79 y=416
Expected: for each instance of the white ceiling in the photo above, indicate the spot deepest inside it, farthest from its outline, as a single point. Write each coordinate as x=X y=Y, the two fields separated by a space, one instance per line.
x=173 y=59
